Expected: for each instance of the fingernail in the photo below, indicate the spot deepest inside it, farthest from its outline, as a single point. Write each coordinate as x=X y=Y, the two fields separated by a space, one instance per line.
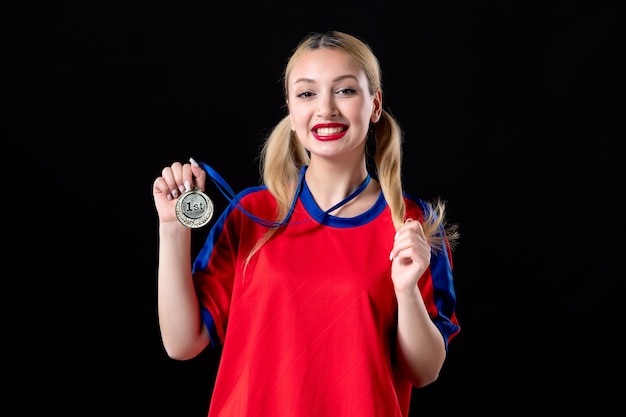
x=391 y=256
x=187 y=186
x=193 y=162
x=175 y=193
x=181 y=188
x=169 y=196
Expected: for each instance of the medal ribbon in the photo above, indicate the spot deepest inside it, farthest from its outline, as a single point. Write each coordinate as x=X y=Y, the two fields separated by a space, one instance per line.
x=230 y=195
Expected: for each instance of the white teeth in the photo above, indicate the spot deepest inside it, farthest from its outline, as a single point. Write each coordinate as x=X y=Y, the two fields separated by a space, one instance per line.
x=325 y=131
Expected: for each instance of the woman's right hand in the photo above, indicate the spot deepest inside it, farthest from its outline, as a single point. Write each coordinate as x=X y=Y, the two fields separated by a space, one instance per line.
x=175 y=180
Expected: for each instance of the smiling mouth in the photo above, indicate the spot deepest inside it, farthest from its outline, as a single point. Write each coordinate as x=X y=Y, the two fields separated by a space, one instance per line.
x=327 y=131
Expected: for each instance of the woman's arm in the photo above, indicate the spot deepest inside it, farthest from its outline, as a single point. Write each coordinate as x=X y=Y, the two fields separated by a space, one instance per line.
x=182 y=330
x=420 y=347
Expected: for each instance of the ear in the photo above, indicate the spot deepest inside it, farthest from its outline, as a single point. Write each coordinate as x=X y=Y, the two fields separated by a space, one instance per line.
x=378 y=107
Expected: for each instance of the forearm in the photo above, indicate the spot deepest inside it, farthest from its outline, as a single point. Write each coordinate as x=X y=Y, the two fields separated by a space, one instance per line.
x=420 y=346
x=182 y=331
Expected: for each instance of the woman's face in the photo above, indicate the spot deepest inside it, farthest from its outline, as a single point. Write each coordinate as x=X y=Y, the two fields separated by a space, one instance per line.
x=330 y=106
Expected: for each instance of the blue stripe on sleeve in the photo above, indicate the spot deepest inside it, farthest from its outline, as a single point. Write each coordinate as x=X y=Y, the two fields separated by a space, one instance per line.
x=207 y=318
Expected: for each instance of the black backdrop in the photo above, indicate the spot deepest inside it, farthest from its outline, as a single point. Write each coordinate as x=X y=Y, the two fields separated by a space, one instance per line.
x=512 y=112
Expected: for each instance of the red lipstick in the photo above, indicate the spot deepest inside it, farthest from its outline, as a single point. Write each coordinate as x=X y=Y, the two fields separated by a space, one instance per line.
x=329 y=131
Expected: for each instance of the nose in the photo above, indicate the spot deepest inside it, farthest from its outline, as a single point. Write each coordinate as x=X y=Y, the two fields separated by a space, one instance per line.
x=327 y=107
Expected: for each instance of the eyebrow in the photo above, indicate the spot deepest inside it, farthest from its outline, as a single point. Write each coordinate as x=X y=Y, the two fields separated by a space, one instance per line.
x=340 y=78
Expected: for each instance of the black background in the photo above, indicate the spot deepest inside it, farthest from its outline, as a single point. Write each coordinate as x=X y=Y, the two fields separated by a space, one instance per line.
x=512 y=112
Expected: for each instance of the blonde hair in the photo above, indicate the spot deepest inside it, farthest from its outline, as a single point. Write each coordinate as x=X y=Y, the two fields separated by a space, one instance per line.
x=282 y=155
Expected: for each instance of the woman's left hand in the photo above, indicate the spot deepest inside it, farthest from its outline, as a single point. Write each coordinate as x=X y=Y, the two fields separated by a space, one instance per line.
x=410 y=256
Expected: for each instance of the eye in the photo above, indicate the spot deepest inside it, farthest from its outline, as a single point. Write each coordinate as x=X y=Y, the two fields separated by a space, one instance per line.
x=346 y=91
x=305 y=94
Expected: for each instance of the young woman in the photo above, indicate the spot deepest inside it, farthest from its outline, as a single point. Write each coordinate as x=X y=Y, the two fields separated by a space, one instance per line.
x=329 y=288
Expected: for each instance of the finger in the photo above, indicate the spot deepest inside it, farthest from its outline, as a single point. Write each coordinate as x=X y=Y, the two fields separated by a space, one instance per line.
x=178 y=186
x=413 y=225
x=169 y=180
x=418 y=255
x=403 y=256
x=402 y=246
x=197 y=175
x=187 y=177
x=409 y=237
x=160 y=187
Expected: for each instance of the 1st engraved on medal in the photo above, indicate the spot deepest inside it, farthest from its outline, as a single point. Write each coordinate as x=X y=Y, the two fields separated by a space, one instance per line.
x=194 y=208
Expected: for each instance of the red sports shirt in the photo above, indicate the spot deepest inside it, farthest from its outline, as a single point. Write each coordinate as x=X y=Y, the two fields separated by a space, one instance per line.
x=309 y=329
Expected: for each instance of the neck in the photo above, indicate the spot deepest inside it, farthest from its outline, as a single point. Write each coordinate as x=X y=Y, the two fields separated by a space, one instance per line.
x=330 y=183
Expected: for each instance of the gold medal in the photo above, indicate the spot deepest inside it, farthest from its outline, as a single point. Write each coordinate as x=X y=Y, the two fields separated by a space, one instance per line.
x=194 y=208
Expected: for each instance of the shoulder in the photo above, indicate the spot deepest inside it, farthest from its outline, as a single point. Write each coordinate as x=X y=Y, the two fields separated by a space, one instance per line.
x=415 y=205
x=258 y=191
x=253 y=198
